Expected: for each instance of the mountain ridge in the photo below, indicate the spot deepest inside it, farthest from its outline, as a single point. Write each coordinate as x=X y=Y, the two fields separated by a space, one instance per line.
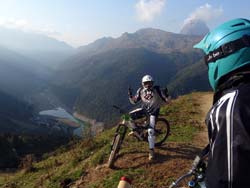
x=22 y=40
x=195 y=27
x=153 y=39
x=46 y=50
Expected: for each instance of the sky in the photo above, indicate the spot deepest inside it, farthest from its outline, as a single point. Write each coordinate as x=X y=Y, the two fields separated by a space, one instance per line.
x=80 y=22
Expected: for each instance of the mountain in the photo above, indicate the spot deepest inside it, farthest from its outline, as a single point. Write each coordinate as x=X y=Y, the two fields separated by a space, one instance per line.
x=47 y=51
x=19 y=83
x=189 y=79
x=155 y=40
x=25 y=66
x=20 y=76
x=99 y=74
x=13 y=110
x=24 y=80
x=19 y=133
x=195 y=27
x=16 y=117
x=26 y=62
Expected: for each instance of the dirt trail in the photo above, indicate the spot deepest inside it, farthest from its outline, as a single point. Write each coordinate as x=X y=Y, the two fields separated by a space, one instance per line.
x=172 y=159
x=205 y=102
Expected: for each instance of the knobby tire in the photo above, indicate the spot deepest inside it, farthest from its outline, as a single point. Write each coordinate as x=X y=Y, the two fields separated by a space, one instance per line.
x=116 y=146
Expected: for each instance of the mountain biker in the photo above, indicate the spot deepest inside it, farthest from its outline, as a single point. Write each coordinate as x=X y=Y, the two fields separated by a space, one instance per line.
x=151 y=97
x=227 y=50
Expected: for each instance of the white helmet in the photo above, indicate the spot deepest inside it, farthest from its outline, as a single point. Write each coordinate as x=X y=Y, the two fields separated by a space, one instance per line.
x=147 y=79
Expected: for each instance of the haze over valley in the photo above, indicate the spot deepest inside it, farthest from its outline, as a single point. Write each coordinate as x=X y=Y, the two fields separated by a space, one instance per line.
x=91 y=78
x=41 y=76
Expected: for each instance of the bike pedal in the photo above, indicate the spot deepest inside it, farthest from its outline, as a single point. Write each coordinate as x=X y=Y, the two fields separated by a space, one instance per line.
x=135 y=134
x=132 y=133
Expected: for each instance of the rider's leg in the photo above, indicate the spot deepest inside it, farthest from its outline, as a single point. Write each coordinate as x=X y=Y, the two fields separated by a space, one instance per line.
x=151 y=133
x=135 y=114
x=151 y=136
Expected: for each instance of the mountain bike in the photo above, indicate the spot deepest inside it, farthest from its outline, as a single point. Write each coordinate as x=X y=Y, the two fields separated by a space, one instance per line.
x=162 y=130
x=193 y=179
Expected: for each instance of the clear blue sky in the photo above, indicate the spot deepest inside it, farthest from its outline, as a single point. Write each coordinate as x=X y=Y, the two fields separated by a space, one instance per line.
x=79 y=22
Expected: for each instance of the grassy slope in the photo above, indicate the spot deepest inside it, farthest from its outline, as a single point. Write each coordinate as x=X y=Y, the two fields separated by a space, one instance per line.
x=85 y=159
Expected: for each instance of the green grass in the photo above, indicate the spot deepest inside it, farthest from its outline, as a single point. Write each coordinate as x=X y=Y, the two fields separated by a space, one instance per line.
x=184 y=118
x=72 y=161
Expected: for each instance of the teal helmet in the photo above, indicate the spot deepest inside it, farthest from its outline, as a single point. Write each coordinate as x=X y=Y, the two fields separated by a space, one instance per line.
x=227 y=49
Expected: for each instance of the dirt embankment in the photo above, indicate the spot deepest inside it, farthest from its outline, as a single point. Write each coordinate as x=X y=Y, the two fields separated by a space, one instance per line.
x=205 y=101
x=96 y=127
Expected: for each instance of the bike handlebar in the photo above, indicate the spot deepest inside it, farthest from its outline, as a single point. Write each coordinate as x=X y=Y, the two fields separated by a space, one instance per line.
x=120 y=110
x=197 y=171
x=116 y=107
x=190 y=173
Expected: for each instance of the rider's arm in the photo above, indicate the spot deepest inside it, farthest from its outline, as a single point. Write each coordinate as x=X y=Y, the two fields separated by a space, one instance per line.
x=164 y=95
x=136 y=98
x=204 y=153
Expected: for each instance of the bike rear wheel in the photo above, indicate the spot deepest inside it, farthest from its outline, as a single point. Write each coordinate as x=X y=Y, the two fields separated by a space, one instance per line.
x=116 y=144
x=162 y=130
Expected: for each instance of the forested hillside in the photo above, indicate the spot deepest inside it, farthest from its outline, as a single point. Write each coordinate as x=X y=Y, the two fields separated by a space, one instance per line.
x=99 y=74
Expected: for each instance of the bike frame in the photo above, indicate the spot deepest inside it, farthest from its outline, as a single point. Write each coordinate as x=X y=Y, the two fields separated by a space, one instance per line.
x=126 y=120
x=125 y=124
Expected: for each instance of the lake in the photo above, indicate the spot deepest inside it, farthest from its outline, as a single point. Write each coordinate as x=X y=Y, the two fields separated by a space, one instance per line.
x=62 y=113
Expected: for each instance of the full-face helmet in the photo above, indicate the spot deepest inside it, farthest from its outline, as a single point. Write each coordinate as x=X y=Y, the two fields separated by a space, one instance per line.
x=147 y=81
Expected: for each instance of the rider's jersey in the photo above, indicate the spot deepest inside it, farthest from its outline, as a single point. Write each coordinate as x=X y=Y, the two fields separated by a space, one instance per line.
x=228 y=124
x=151 y=99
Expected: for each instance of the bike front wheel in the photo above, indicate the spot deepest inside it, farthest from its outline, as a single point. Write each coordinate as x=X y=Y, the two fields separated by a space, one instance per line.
x=116 y=144
x=162 y=130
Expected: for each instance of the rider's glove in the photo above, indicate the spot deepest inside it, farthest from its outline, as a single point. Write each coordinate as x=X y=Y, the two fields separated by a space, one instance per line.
x=196 y=162
x=130 y=92
x=168 y=99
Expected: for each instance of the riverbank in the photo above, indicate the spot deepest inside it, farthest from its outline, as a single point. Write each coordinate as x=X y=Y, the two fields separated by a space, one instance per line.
x=96 y=127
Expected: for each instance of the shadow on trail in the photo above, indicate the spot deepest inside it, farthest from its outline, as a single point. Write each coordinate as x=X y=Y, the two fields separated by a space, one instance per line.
x=181 y=152
x=181 y=149
x=131 y=159
x=165 y=153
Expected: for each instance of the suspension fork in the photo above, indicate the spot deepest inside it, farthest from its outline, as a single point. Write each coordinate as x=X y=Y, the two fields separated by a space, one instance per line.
x=121 y=129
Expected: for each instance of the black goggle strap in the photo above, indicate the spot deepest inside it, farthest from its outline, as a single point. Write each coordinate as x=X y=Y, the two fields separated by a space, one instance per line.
x=227 y=49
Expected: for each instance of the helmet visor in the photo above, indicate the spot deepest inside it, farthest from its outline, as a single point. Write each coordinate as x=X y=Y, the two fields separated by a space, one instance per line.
x=148 y=84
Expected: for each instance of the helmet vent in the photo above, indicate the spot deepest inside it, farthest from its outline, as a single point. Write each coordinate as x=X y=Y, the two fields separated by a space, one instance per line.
x=238 y=24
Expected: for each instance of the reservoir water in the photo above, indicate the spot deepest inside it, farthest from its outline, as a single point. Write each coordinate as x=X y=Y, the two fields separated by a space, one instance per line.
x=62 y=113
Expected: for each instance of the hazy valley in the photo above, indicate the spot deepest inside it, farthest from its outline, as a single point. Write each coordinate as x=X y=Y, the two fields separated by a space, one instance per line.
x=39 y=73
